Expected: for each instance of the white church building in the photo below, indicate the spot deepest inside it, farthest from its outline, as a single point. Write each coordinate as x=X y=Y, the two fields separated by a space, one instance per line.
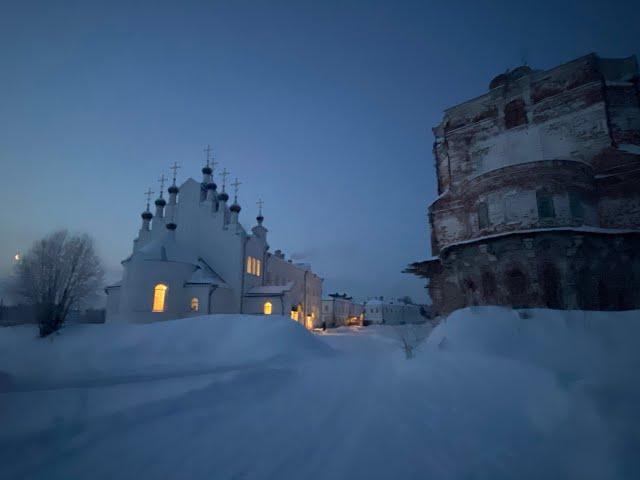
x=193 y=257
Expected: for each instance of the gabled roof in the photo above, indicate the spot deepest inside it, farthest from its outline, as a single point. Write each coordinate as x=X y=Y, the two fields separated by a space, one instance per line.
x=205 y=275
x=269 y=290
x=164 y=249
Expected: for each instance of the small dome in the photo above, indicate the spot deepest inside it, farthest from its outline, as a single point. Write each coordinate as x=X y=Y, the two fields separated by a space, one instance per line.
x=161 y=202
x=235 y=208
x=211 y=186
x=174 y=189
x=260 y=218
x=223 y=197
x=171 y=226
x=146 y=215
x=207 y=170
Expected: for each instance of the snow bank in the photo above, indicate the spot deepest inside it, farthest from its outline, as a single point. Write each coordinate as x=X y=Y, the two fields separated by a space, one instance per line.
x=491 y=394
x=600 y=346
x=93 y=352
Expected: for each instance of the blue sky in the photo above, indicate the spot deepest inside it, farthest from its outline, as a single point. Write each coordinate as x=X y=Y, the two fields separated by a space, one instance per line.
x=323 y=109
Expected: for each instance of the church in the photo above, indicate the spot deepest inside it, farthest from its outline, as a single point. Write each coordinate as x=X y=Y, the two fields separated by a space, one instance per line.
x=193 y=257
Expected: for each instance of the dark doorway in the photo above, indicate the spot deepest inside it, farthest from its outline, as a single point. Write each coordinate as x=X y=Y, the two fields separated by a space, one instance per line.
x=551 y=286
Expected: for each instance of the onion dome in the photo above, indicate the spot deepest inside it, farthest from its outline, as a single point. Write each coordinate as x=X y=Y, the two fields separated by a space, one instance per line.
x=223 y=197
x=161 y=202
x=260 y=219
x=207 y=170
x=171 y=226
x=235 y=208
x=147 y=215
x=174 y=189
x=211 y=186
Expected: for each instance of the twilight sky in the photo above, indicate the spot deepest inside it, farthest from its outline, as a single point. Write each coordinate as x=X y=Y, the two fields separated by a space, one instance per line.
x=322 y=108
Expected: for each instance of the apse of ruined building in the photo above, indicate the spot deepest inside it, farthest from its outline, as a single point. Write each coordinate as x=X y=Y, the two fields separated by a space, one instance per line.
x=548 y=162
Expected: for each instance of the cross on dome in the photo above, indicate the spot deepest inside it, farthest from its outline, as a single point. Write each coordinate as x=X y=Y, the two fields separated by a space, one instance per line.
x=260 y=203
x=161 y=180
x=148 y=194
x=235 y=185
x=207 y=150
x=175 y=168
x=224 y=176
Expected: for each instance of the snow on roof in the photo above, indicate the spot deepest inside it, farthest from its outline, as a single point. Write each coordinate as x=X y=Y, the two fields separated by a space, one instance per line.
x=629 y=148
x=165 y=249
x=583 y=229
x=268 y=290
x=204 y=275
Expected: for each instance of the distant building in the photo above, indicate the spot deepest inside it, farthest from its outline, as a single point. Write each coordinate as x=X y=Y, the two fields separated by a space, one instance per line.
x=340 y=310
x=196 y=258
x=539 y=191
x=392 y=311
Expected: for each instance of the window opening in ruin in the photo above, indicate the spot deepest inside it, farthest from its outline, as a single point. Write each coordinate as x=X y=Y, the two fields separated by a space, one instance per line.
x=515 y=114
x=483 y=215
x=545 y=205
x=575 y=205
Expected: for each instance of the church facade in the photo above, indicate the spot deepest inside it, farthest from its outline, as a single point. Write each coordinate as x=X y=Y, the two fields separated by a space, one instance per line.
x=193 y=257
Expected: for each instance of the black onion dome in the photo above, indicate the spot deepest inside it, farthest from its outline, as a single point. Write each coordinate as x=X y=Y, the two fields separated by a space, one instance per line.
x=207 y=170
x=235 y=208
x=259 y=218
x=211 y=186
x=161 y=202
x=174 y=189
x=171 y=226
x=146 y=215
x=223 y=197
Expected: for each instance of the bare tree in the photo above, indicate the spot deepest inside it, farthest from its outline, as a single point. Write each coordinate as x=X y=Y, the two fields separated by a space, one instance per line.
x=57 y=274
x=411 y=336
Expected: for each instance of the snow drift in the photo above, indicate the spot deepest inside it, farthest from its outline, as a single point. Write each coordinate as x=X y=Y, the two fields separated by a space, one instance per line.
x=89 y=353
x=492 y=393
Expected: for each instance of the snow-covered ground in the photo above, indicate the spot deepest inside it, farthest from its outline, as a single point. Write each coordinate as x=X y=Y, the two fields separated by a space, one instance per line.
x=490 y=394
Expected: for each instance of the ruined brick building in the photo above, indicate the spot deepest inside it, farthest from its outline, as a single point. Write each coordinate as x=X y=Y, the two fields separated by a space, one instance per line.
x=539 y=191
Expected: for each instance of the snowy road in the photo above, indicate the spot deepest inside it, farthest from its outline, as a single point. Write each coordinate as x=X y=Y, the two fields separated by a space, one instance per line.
x=362 y=411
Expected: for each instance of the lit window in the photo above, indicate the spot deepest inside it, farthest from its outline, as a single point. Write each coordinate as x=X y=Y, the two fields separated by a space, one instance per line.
x=159 y=295
x=195 y=304
x=267 y=308
x=294 y=314
x=254 y=266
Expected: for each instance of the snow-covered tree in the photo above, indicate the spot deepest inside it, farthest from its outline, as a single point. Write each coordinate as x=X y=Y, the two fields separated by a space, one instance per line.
x=56 y=274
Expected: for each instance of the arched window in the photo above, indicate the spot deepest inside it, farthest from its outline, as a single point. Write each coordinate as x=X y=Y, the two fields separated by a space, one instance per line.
x=195 y=304
x=159 y=296
x=267 y=308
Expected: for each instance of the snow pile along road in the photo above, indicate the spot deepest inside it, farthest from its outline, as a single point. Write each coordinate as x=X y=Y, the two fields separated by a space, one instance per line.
x=490 y=394
x=96 y=353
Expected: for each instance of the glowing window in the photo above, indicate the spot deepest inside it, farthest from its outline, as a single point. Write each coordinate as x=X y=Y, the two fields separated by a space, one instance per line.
x=159 y=295
x=294 y=315
x=195 y=304
x=254 y=266
x=267 y=308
